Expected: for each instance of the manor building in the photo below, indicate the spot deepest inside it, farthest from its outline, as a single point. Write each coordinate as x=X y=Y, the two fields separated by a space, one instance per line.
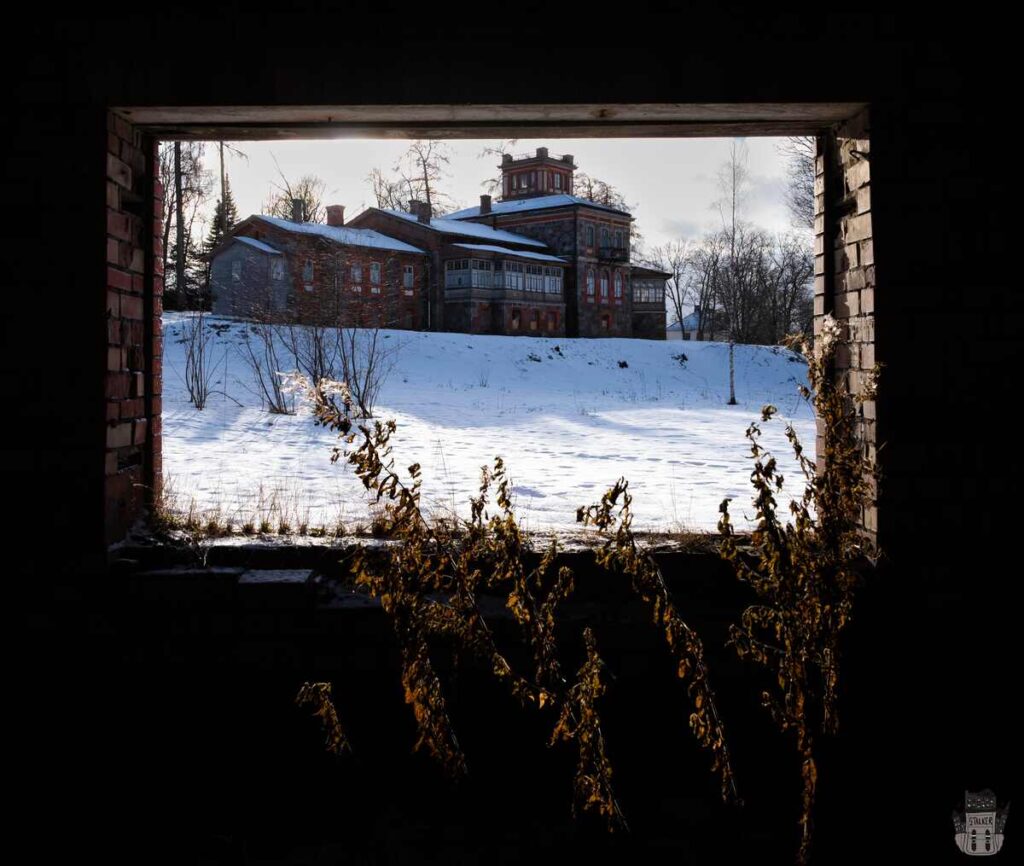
x=540 y=260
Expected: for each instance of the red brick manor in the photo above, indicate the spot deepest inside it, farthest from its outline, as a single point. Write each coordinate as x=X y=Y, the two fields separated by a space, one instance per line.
x=539 y=261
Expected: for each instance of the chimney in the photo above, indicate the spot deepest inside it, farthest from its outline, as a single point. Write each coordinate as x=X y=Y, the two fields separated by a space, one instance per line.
x=335 y=214
x=485 y=204
x=542 y=153
x=425 y=212
x=297 y=210
x=696 y=309
x=506 y=158
x=567 y=157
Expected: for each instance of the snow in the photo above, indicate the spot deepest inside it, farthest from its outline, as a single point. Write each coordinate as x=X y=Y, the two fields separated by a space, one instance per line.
x=343 y=235
x=455 y=227
x=535 y=203
x=252 y=242
x=565 y=415
x=541 y=257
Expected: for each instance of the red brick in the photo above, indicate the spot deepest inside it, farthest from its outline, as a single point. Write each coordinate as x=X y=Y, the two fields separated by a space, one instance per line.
x=113 y=303
x=113 y=196
x=136 y=336
x=115 y=358
x=139 y=431
x=131 y=308
x=113 y=410
x=118 y=225
x=138 y=384
x=158 y=407
x=111 y=463
x=114 y=331
x=116 y=386
x=138 y=261
x=113 y=255
x=158 y=190
x=130 y=409
x=156 y=424
x=158 y=306
x=158 y=287
x=119 y=280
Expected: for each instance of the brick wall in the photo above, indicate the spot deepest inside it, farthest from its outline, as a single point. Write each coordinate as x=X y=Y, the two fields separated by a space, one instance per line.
x=134 y=291
x=844 y=264
x=329 y=300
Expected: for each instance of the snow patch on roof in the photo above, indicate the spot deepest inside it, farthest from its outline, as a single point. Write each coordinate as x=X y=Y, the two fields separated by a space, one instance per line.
x=455 y=227
x=543 y=257
x=343 y=235
x=537 y=203
x=262 y=247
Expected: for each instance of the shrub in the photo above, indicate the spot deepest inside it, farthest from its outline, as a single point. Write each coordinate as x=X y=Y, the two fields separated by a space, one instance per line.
x=805 y=573
x=429 y=587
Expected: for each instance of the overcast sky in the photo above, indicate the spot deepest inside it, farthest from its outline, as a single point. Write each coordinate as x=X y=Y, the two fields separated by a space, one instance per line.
x=671 y=183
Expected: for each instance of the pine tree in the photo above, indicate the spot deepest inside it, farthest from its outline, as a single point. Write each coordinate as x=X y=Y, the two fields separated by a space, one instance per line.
x=225 y=215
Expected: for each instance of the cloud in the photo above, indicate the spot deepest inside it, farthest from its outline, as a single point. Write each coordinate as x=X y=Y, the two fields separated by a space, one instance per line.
x=682 y=228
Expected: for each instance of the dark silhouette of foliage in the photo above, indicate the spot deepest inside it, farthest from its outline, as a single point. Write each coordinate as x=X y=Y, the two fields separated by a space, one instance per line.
x=620 y=552
x=429 y=586
x=805 y=573
x=318 y=696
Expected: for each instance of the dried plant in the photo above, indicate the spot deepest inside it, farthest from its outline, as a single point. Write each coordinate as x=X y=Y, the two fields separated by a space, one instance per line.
x=613 y=517
x=805 y=572
x=319 y=697
x=429 y=588
x=430 y=583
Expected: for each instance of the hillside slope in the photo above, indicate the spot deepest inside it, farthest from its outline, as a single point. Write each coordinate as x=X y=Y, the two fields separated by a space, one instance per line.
x=568 y=416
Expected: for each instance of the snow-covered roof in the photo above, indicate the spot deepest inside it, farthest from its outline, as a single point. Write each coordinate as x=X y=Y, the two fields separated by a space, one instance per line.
x=262 y=247
x=689 y=323
x=536 y=203
x=343 y=235
x=487 y=248
x=475 y=230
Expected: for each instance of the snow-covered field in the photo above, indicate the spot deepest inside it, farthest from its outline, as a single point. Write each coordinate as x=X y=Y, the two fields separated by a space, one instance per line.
x=568 y=416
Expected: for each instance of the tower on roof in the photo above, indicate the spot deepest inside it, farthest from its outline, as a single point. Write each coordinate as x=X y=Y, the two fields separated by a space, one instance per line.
x=540 y=174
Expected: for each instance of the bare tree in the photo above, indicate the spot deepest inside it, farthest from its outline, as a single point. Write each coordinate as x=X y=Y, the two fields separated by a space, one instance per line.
x=263 y=356
x=493 y=184
x=799 y=153
x=422 y=168
x=702 y=280
x=187 y=187
x=309 y=189
x=366 y=363
x=787 y=268
x=673 y=258
x=198 y=370
x=390 y=194
x=733 y=180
